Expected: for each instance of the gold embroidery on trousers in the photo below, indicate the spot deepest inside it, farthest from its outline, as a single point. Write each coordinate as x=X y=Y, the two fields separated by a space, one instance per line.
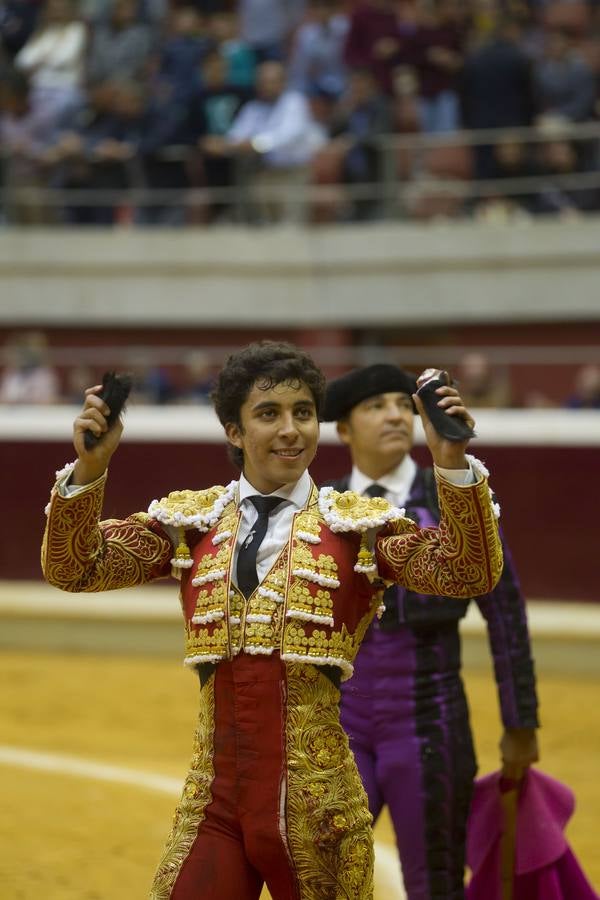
x=195 y=798
x=329 y=824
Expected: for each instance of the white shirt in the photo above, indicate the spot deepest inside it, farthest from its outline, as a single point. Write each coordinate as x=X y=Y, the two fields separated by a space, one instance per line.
x=296 y=495
x=398 y=482
x=54 y=56
x=284 y=131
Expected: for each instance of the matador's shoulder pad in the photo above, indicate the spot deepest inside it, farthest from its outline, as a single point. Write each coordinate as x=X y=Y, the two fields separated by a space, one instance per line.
x=349 y=511
x=193 y=509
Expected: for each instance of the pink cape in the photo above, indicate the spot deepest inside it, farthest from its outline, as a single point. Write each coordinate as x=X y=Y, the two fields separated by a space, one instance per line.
x=545 y=866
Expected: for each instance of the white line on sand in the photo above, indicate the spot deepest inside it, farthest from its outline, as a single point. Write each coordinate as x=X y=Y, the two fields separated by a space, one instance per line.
x=63 y=764
x=387 y=873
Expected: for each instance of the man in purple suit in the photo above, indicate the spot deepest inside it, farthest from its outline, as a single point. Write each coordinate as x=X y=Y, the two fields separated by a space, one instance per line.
x=405 y=709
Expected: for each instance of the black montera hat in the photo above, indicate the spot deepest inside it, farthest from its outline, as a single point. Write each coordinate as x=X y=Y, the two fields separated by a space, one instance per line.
x=344 y=393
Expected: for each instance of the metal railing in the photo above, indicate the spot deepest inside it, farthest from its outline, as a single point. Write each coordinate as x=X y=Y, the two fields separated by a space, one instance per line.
x=405 y=171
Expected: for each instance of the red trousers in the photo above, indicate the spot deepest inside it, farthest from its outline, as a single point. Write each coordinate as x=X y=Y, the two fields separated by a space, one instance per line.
x=241 y=841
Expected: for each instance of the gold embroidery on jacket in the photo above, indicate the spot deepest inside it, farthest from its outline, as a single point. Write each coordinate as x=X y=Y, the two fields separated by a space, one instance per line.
x=236 y=611
x=210 y=604
x=303 y=641
x=329 y=824
x=195 y=798
x=209 y=643
x=453 y=560
x=81 y=554
x=321 y=569
x=264 y=610
x=308 y=527
x=315 y=607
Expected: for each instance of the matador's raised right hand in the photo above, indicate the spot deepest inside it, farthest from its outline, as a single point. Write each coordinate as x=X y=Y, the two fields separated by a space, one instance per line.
x=93 y=463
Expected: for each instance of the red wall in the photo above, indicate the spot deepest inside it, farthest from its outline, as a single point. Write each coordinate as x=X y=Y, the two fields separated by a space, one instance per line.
x=550 y=499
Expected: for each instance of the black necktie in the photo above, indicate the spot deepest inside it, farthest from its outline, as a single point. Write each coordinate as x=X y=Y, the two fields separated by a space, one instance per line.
x=376 y=490
x=247 y=577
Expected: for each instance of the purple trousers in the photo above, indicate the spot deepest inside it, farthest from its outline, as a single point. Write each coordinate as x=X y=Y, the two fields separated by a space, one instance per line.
x=407 y=719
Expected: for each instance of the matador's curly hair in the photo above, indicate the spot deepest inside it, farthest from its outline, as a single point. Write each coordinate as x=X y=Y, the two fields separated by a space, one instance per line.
x=264 y=364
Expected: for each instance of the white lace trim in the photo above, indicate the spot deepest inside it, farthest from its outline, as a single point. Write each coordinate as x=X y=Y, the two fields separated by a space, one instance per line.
x=316 y=578
x=257 y=650
x=212 y=616
x=309 y=537
x=235 y=620
x=66 y=470
x=365 y=569
x=221 y=536
x=309 y=617
x=214 y=575
x=202 y=658
x=258 y=617
x=200 y=521
x=477 y=465
x=182 y=563
x=480 y=468
x=343 y=664
x=270 y=594
x=61 y=473
x=338 y=522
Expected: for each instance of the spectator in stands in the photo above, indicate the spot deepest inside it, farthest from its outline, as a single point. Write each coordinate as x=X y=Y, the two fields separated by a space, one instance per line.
x=436 y=52
x=198 y=378
x=27 y=131
x=121 y=45
x=273 y=139
x=266 y=25
x=77 y=380
x=485 y=386
x=362 y=115
x=214 y=110
x=497 y=88
x=559 y=160
x=151 y=383
x=239 y=55
x=167 y=134
x=151 y=11
x=54 y=56
x=185 y=47
x=96 y=154
x=379 y=37
x=219 y=100
x=17 y=22
x=406 y=115
x=28 y=377
x=564 y=83
x=317 y=59
x=512 y=159
x=587 y=389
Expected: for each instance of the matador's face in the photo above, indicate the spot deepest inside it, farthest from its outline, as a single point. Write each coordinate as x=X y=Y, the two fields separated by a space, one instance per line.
x=278 y=434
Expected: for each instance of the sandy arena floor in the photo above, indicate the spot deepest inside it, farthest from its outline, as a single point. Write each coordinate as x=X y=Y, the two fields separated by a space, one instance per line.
x=89 y=836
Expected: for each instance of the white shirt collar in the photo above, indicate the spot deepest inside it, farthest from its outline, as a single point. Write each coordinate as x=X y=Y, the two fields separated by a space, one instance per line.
x=296 y=492
x=397 y=482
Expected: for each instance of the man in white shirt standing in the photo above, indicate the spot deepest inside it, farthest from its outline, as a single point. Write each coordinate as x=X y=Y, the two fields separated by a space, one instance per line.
x=273 y=138
x=405 y=709
x=279 y=582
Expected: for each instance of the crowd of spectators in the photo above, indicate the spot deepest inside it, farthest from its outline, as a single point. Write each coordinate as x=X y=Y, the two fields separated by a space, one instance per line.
x=30 y=376
x=255 y=99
